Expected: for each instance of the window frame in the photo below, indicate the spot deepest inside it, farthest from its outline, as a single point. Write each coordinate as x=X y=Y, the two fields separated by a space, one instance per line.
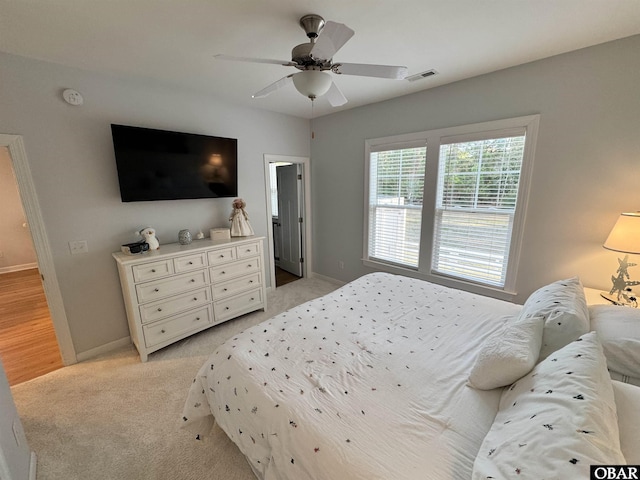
x=434 y=139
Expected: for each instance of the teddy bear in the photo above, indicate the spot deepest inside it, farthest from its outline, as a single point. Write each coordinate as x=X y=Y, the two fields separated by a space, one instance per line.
x=149 y=235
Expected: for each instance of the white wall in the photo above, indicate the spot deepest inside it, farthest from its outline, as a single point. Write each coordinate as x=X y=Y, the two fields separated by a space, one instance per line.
x=15 y=455
x=70 y=153
x=586 y=170
x=16 y=247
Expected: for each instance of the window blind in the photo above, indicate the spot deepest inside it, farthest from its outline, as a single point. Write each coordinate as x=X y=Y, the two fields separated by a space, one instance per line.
x=477 y=192
x=395 y=205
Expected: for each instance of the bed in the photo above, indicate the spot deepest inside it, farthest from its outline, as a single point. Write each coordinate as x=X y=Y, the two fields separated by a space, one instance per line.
x=392 y=377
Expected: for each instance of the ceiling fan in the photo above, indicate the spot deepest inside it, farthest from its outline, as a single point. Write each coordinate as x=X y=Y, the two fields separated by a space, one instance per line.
x=313 y=59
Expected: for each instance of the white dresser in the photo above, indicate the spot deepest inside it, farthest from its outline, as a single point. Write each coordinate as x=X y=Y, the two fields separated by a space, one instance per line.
x=179 y=290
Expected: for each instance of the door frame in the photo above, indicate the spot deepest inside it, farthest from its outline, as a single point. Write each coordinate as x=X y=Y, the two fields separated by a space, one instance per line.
x=29 y=199
x=307 y=265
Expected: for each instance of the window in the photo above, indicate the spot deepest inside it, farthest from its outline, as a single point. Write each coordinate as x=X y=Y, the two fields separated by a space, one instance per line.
x=395 y=205
x=273 y=181
x=449 y=204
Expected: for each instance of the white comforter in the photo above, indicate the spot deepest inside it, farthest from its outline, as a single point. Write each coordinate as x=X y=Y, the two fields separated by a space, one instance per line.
x=368 y=382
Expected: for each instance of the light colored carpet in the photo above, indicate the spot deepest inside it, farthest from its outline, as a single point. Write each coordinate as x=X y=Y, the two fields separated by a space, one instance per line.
x=114 y=417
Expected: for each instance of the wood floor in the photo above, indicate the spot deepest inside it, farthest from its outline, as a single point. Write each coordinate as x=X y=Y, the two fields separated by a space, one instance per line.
x=28 y=345
x=283 y=277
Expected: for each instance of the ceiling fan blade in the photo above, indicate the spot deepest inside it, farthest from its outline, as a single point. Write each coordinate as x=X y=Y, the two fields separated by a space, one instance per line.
x=283 y=82
x=335 y=96
x=285 y=63
x=368 y=70
x=332 y=38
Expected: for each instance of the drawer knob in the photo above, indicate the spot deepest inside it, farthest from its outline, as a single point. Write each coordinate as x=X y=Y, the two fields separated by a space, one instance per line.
x=156 y=290
x=222 y=272
x=159 y=309
x=195 y=299
x=249 y=266
x=153 y=270
x=226 y=308
x=224 y=289
x=162 y=331
x=221 y=256
x=250 y=281
x=193 y=280
x=190 y=263
x=197 y=318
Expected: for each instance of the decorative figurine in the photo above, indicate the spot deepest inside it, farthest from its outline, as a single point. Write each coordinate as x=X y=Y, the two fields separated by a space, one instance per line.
x=149 y=235
x=239 y=219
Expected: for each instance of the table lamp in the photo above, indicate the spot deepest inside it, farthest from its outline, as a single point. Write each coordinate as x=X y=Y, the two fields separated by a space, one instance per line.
x=625 y=238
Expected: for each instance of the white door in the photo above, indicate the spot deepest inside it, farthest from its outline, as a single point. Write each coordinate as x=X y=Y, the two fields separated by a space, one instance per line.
x=290 y=218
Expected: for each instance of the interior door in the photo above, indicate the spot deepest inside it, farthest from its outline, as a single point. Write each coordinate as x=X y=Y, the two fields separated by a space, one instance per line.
x=290 y=218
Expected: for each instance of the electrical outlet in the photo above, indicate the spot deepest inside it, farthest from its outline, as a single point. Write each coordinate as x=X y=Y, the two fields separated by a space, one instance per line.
x=78 y=246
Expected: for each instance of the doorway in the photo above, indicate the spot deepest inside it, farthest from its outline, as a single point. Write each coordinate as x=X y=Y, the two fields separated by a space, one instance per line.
x=28 y=344
x=36 y=276
x=287 y=186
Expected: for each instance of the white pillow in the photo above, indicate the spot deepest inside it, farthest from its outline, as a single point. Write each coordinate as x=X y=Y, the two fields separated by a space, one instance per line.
x=508 y=354
x=564 y=308
x=618 y=329
x=627 y=401
x=556 y=421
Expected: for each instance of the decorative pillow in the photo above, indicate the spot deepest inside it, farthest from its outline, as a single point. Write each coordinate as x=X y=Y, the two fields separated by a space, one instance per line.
x=556 y=421
x=627 y=401
x=509 y=354
x=618 y=329
x=564 y=308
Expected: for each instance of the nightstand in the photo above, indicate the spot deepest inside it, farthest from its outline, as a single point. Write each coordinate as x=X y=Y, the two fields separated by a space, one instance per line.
x=594 y=298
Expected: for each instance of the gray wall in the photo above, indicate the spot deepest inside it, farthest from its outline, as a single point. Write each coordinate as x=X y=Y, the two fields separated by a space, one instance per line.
x=70 y=153
x=586 y=169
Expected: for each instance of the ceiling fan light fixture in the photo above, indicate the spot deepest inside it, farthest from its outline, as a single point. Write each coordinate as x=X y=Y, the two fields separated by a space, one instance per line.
x=312 y=83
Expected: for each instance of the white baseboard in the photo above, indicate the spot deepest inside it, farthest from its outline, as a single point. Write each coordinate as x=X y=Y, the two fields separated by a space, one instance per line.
x=18 y=268
x=328 y=279
x=106 y=348
x=33 y=466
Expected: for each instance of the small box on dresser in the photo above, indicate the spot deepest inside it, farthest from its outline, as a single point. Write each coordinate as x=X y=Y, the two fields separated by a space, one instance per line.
x=179 y=290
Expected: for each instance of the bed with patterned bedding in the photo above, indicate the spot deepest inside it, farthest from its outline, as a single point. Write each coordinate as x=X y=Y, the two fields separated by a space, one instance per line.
x=390 y=377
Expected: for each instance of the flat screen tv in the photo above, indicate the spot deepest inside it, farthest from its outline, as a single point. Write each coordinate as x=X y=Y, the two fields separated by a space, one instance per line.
x=164 y=165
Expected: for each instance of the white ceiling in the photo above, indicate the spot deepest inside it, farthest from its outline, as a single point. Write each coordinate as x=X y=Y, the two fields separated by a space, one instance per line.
x=173 y=41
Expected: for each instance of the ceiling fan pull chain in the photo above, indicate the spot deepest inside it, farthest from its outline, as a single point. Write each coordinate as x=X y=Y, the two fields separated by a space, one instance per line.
x=313 y=134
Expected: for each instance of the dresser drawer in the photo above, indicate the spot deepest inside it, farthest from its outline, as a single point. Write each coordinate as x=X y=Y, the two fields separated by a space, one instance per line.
x=149 y=271
x=186 y=323
x=164 y=308
x=189 y=262
x=234 y=306
x=235 y=269
x=248 y=250
x=222 y=255
x=170 y=286
x=238 y=285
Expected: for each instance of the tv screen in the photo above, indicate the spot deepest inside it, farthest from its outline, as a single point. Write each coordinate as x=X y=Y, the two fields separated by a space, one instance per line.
x=164 y=165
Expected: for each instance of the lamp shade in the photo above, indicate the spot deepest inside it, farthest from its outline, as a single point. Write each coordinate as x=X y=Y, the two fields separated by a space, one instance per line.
x=625 y=234
x=312 y=83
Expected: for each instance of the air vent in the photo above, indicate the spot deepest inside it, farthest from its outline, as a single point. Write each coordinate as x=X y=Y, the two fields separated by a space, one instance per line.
x=420 y=76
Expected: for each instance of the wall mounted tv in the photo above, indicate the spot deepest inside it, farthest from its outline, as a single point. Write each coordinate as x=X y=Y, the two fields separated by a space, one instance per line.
x=164 y=165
